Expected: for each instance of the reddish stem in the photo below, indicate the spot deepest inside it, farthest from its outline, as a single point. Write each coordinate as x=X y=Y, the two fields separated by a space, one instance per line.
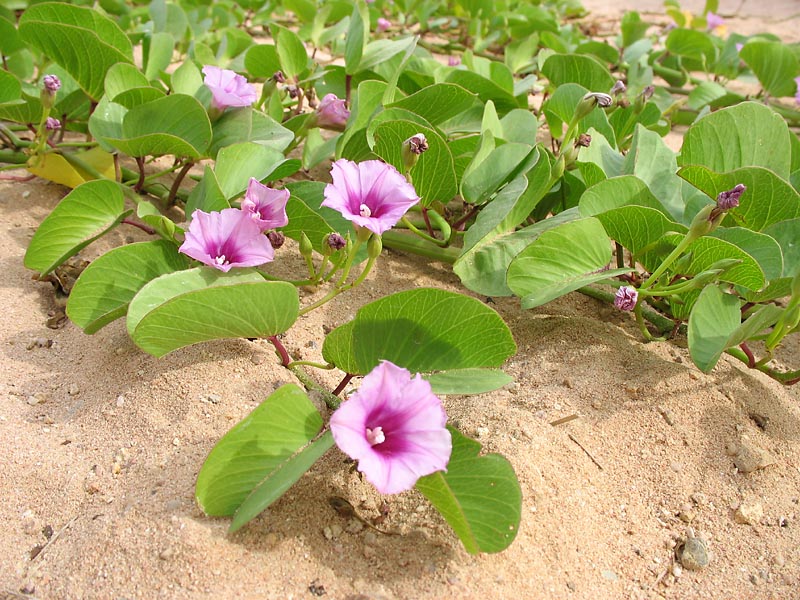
x=342 y=384
x=177 y=183
x=139 y=184
x=281 y=349
x=427 y=222
x=142 y=226
x=751 y=360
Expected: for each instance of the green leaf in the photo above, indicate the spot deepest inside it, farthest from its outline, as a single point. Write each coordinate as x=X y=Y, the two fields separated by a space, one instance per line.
x=380 y=51
x=201 y=304
x=434 y=174
x=421 y=330
x=774 y=64
x=254 y=448
x=291 y=51
x=578 y=68
x=787 y=234
x=438 y=102
x=10 y=87
x=617 y=192
x=262 y=61
x=767 y=200
x=485 y=88
x=560 y=108
x=357 y=37
x=467 y=381
x=479 y=496
x=105 y=288
x=237 y=163
x=501 y=165
x=159 y=55
x=692 y=44
x=86 y=213
x=764 y=249
x=560 y=261
x=632 y=28
x=746 y=135
x=176 y=124
x=83 y=41
x=280 y=480
x=714 y=318
x=247 y=125
x=206 y=195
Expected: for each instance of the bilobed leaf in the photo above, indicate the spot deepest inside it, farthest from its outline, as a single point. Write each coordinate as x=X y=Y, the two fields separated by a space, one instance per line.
x=160 y=54
x=479 y=496
x=85 y=214
x=467 y=381
x=206 y=195
x=379 y=51
x=279 y=480
x=256 y=446
x=767 y=200
x=237 y=163
x=495 y=170
x=247 y=125
x=616 y=192
x=201 y=304
x=102 y=292
x=774 y=64
x=764 y=249
x=560 y=108
x=692 y=44
x=83 y=41
x=438 y=102
x=560 y=261
x=10 y=87
x=176 y=124
x=434 y=174
x=746 y=135
x=262 y=60
x=291 y=51
x=421 y=330
x=54 y=167
x=578 y=68
x=787 y=234
x=715 y=316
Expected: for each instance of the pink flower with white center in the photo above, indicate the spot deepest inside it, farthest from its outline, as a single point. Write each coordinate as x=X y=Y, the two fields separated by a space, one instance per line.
x=371 y=194
x=626 y=297
x=383 y=24
x=331 y=113
x=394 y=426
x=226 y=239
x=228 y=89
x=267 y=207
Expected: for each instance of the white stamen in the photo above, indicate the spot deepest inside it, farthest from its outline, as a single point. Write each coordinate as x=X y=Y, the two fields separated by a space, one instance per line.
x=364 y=211
x=221 y=260
x=375 y=436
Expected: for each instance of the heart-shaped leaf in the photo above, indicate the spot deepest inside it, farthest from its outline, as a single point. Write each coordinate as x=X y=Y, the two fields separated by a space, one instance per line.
x=467 y=381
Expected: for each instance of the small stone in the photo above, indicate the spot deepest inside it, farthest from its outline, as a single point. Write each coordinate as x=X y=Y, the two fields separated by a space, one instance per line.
x=336 y=530
x=568 y=383
x=176 y=442
x=326 y=531
x=36 y=399
x=677 y=570
x=120 y=401
x=749 y=459
x=692 y=553
x=676 y=466
x=668 y=415
x=699 y=498
x=166 y=554
x=355 y=526
x=369 y=552
x=686 y=513
x=28 y=588
x=29 y=524
x=609 y=575
x=213 y=398
x=370 y=538
x=73 y=389
x=39 y=342
x=748 y=514
x=482 y=431
x=779 y=561
x=257 y=359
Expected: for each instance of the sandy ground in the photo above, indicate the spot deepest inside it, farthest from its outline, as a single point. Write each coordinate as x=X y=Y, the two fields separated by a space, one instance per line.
x=102 y=444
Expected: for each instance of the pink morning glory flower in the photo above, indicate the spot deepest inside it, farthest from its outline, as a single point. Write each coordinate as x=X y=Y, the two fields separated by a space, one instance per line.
x=625 y=298
x=226 y=239
x=332 y=113
x=394 y=426
x=713 y=21
x=371 y=194
x=797 y=93
x=267 y=207
x=228 y=89
x=383 y=24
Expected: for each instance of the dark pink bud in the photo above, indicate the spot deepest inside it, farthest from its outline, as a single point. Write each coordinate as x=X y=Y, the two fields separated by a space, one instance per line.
x=51 y=83
x=584 y=140
x=335 y=241
x=730 y=198
x=52 y=124
x=279 y=77
x=276 y=238
x=626 y=297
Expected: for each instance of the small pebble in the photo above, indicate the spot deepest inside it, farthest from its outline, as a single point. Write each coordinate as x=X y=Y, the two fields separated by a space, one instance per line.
x=257 y=359
x=692 y=553
x=36 y=399
x=677 y=570
x=748 y=459
x=166 y=554
x=699 y=498
x=120 y=401
x=355 y=526
x=779 y=561
x=73 y=389
x=369 y=552
x=326 y=531
x=482 y=431
x=609 y=575
x=748 y=514
x=176 y=441
x=668 y=415
x=370 y=538
x=676 y=466
x=39 y=342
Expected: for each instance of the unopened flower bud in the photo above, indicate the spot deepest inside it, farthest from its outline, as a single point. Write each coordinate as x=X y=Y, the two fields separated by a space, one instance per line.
x=453 y=61
x=383 y=24
x=412 y=148
x=52 y=124
x=51 y=83
x=730 y=199
x=294 y=91
x=589 y=101
x=276 y=238
x=374 y=246
x=584 y=140
x=335 y=241
x=626 y=297
x=619 y=88
x=278 y=77
x=306 y=248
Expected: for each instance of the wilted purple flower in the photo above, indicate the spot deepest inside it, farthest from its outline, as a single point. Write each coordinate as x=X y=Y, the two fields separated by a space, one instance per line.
x=584 y=140
x=383 y=24
x=51 y=83
x=332 y=113
x=279 y=77
x=226 y=239
x=625 y=298
x=267 y=207
x=52 y=124
x=394 y=426
x=619 y=88
x=713 y=21
x=453 y=61
x=228 y=89
x=371 y=194
x=797 y=93
x=730 y=199
x=417 y=144
x=335 y=241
